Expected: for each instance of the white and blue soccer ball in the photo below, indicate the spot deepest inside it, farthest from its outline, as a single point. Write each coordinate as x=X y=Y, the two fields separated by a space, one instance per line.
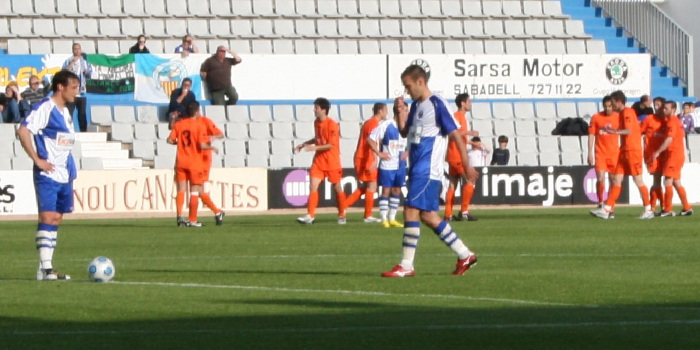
x=101 y=269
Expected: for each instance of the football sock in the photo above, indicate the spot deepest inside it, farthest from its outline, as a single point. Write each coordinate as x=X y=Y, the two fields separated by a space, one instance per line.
x=179 y=201
x=668 y=199
x=383 y=208
x=612 y=197
x=659 y=195
x=467 y=194
x=449 y=202
x=341 y=201
x=355 y=196
x=206 y=199
x=411 y=234
x=644 y=192
x=394 y=202
x=313 y=203
x=600 y=189
x=45 y=243
x=369 y=203
x=194 y=204
x=653 y=197
x=450 y=238
x=684 y=198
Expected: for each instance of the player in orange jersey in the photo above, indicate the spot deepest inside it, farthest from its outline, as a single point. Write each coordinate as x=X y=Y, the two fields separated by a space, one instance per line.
x=630 y=159
x=190 y=136
x=366 y=163
x=326 y=163
x=603 y=147
x=653 y=129
x=671 y=156
x=456 y=169
x=214 y=133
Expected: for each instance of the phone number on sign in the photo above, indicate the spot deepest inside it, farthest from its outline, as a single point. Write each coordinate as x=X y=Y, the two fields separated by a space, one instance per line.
x=549 y=89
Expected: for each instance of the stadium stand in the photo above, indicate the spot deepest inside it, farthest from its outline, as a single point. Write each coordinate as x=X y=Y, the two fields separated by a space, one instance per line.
x=263 y=135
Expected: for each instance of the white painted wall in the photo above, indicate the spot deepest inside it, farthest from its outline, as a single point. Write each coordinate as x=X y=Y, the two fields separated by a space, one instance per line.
x=682 y=12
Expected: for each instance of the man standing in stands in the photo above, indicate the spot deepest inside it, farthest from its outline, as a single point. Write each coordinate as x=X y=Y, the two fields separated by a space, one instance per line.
x=653 y=129
x=671 y=155
x=78 y=65
x=366 y=163
x=326 y=163
x=216 y=72
x=603 y=147
x=630 y=159
x=456 y=170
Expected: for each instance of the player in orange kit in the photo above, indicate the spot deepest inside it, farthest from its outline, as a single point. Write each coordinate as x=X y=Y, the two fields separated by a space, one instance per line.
x=326 y=163
x=190 y=136
x=630 y=159
x=366 y=163
x=603 y=147
x=671 y=156
x=653 y=129
x=456 y=169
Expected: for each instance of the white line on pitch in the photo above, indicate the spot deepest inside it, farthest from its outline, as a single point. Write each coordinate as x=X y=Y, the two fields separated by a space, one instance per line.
x=370 y=328
x=346 y=292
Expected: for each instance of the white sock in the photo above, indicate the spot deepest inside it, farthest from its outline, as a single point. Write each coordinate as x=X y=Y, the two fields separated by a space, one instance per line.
x=383 y=207
x=394 y=202
x=411 y=235
x=45 y=244
x=450 y=238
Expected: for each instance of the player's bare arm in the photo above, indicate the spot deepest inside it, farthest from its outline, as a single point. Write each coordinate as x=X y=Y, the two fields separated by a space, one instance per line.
x=304 y=145
x=25 y=138
x=375 y=148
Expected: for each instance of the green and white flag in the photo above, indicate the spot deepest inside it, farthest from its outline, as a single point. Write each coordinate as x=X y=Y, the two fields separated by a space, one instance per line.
x=111 y=74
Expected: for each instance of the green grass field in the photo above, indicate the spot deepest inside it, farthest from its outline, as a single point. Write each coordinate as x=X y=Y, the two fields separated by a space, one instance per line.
x=546 y=279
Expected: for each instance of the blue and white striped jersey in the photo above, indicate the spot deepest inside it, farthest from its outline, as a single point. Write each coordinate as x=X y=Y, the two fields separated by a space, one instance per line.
x=429 y=122
x=53 y=138
x=390 y=141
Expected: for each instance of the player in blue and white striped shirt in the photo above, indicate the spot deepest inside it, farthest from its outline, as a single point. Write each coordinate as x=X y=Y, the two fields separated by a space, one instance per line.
x=386 y=142
x=427 y=127
x=49 y=128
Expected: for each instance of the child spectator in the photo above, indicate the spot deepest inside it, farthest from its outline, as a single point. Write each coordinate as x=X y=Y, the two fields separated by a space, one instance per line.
x=501 y=155
x=687 y=118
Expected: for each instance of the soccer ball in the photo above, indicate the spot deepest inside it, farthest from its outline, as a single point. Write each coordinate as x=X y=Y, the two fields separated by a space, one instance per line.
x=101 y=269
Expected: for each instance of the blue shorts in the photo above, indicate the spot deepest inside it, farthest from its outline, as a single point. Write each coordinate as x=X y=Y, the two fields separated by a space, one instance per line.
x=53 y=196
x=392 y=178
x=423 y=194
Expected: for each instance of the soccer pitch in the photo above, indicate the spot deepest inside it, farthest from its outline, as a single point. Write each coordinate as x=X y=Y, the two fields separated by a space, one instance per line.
x=546 y=279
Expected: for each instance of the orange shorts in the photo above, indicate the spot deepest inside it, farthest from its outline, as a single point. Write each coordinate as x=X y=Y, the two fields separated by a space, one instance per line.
x=671 y=167
x=195 y=177
x=629 y=163
x=654 y=166
x=364 y=174
x=334 y=176
x=607 y=164
x=456 y=169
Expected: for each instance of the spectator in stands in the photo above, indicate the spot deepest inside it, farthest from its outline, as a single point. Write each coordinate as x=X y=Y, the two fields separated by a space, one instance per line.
x=478 y=152
x=35 y=92
x=13 y=106
x=501 y=155
x=140 y=46
x=179 y=99
x=78 y=65
x=643 y=106
x=687 y=118
x=187 y=46
x=216 y=71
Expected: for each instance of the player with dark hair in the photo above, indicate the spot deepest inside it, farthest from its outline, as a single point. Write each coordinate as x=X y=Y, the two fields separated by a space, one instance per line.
x=47 y=136
x=326 y=163
x=456 y=170
x=386 y=142
x=630 y=159
x=671 y=155
x=190 y=136
x=426 y=129
x=653 y=129
x=366 y=163
x=603 y=147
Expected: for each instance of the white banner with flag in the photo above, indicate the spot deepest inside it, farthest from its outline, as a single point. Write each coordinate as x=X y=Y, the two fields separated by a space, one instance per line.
x=158 y=75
